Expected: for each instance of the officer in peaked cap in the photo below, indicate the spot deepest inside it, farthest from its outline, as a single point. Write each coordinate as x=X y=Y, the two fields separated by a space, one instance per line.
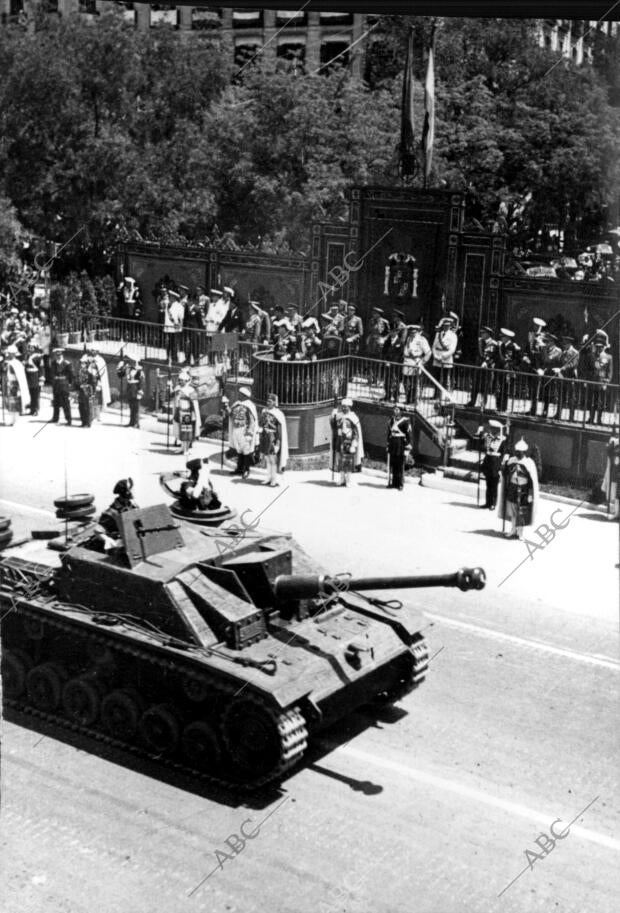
x=492 y=445
x=533 y=361
x=62 y=379
x=508 y=360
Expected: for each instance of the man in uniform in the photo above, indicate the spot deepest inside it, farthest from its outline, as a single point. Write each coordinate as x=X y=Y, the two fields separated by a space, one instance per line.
x=310 y=345
x=33 y=366
x=551 y=361
x=353 y=331
x=602 y=366
x=567 y=368
x=416 y=354
x=611 y=479
x=487 y=358
x=62 y=379
x=443 y=350
x=242 y=430
x=174 y=314
x=197 y=492
x=518 y=494
x=332 y=334
x=347 y=441
x=233 y=321
x=130 y=294
x=508 y=356
x=273 y=441
x=185 y=412
x=393 y=349
x=258 y=326
x=109 y=529
x=130 y=369
x=398 y=447
x=533 y=360
x=194 y=320
x=492 y=447
x=216 y=311
x=87 y=380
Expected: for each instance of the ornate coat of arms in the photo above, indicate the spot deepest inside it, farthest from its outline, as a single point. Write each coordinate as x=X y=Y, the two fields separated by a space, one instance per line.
x=401 y=276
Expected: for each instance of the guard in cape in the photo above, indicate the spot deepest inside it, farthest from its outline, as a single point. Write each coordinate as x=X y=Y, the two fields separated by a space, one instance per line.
x=185 y=412
x=62 y=378
x=130 y=369
x=103 y=396
x=492 y=447
x=347 y=447
x=518 y=493
x=273 y=440
x=243 y=430
x=398 y=448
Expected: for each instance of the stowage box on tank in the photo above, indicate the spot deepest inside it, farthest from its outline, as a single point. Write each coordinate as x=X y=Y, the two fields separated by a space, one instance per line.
x=221 y=655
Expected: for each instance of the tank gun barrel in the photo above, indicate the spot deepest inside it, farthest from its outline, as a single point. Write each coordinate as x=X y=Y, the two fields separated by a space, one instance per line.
x=308 y=586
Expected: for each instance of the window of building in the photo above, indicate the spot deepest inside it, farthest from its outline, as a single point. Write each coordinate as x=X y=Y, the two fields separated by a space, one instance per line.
x=247 y=19
x=244 y=52
x=293 y=53
x=292 y=18
x=163 y=15
x=336 y=18
x=205 y=17
x=330 y=50
x=128 y=11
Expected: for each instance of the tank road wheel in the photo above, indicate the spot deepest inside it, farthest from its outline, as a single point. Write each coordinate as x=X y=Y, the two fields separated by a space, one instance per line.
x=201 y=746
x=44 y=686
x=196 y=689
x=410 y=679
x=16 y=664
x=160 y=729
x=81 y=700
x=120 y=714
x=262 y=743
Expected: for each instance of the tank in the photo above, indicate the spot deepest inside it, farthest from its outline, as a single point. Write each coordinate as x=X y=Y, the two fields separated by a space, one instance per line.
x=219 y=651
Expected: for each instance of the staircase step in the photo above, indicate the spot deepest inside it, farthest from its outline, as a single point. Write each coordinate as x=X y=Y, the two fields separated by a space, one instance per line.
x=462 y=475
x=458 y=445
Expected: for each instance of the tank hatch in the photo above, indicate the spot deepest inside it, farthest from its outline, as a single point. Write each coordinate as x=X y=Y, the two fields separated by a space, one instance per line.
x=148 y=531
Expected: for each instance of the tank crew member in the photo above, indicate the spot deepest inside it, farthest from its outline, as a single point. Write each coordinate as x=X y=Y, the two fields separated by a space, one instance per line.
x=33 y=367
x=443 y=350
x=130 y=369
x=398 y=448
x=347 y=442
x=416 y=354
x=393 y=353
x=508 y=357
x=87 y=380
x=353 y=331
x=487 y=359
x=197 y=493
x=185 y=412
x=518 y=493
x=602 y=366
x=243 y=430
x=62 y=379
x=273 y=441
x=108 y=521
x=492 y=446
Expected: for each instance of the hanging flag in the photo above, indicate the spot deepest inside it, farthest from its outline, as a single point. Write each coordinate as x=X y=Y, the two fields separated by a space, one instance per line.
x=428 y=132
x=407 y=142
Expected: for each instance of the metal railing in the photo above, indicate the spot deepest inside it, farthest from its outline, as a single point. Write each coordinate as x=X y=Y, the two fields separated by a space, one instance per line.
x=149 y=341
x=579 y=402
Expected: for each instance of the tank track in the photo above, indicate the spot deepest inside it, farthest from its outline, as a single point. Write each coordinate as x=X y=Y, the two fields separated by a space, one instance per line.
x=290 y=724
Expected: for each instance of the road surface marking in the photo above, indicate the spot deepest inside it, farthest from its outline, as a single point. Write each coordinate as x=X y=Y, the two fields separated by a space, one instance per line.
x=526 y=642
x=514 y=808
x=22 y=507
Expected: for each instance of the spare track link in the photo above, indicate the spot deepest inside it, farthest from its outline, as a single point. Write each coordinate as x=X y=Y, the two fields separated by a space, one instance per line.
x=290 y=723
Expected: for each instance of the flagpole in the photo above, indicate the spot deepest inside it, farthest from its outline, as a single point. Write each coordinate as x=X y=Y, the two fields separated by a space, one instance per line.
x=428 y=131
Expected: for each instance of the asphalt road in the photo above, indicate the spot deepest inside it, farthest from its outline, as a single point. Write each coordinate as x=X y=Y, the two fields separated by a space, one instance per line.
x=428 y=807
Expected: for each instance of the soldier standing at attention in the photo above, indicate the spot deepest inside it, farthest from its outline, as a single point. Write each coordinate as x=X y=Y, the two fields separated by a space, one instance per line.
x=33 y=366
x=508 y=355
x=493 y=445
x=130 y=369
x=398 y=447
x=62 y=378
x=347 y=441
x=353 y=331
x=273 y=441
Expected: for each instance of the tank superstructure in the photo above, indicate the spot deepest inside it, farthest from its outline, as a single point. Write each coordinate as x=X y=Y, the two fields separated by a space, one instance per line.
x=220 y=651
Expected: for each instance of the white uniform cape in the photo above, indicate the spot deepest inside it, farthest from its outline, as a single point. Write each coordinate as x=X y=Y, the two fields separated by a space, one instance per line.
x=249 y=446
x=19 y=372
x=283 y=454
x=359 y=455
x=188 y=391
x=102 y=370
x=530 y=467
x=609 y=485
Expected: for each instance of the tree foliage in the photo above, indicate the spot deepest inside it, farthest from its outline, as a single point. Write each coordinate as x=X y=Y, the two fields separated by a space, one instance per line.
x=116 y=133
